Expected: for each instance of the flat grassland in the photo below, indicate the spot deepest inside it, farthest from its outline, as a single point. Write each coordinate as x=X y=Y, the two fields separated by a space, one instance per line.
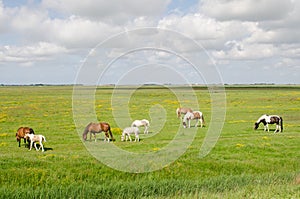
x=243 y=164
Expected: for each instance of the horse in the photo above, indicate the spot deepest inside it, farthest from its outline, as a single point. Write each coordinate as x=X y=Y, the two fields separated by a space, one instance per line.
x=180 y=111
x=36 y=138
x=270 y=119
x=21 y=132
x=129 y=130
x=143 y=122
x=195 y=115
x=94 y=128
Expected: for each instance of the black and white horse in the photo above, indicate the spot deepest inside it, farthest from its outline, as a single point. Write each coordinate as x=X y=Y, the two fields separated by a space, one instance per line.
x=270 y=119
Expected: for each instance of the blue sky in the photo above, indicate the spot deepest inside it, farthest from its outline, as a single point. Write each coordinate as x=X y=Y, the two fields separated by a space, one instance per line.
x=49 y=41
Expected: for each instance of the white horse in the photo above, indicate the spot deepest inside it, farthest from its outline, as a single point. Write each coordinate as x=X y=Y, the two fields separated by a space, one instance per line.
x=270 y=119
x=130 y=130
x=143 y=122
x=36 y=138
x=195 y=115
x=183 y=111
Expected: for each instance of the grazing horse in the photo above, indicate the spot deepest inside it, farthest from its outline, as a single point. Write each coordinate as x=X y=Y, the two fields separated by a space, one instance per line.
x=94 y=128
x=129 y=130
x=183 y=111
x=36 y=138
x=270 y=119
x=143 y=122
x=21 y=132
x=195 y=115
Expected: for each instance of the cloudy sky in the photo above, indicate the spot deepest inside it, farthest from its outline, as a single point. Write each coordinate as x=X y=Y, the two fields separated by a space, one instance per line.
x=248 y=41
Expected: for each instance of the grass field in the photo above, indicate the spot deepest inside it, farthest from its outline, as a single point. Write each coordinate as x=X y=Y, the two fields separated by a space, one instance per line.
x=243 y=164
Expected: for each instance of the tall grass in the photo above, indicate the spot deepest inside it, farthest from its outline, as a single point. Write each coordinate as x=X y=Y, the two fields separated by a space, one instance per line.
x=243 y=164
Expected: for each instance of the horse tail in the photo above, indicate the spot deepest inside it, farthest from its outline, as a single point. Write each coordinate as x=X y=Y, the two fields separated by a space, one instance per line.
x=110 y=133
x=44 y=139
x=178 y=112
x=202 y=116
x=133 y=124
x=281 y=124
x=85 y=132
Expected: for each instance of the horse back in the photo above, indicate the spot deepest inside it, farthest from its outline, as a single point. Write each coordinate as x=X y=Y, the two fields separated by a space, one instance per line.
x=197 y=115
x=274 y=119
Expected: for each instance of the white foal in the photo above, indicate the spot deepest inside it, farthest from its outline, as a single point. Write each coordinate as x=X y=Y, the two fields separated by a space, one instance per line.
x=36 y=138
x=130 y=130
x=143 y=122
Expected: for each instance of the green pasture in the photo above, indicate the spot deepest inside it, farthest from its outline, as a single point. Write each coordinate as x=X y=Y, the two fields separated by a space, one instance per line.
x=243 y=164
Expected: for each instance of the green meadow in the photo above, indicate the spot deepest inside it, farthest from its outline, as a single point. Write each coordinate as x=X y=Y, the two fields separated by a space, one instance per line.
x=243 y=164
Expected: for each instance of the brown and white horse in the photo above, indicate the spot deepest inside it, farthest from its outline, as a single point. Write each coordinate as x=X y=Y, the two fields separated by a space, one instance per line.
x=270 y=119
x=94 y=128
x=183 y=111
x=195 y=115
x=21 y=132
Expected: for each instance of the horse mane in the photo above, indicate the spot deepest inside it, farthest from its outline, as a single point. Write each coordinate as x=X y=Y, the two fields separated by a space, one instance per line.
x=31 y=131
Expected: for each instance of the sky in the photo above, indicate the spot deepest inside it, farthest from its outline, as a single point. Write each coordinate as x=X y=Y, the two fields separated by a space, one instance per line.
x=72 y=41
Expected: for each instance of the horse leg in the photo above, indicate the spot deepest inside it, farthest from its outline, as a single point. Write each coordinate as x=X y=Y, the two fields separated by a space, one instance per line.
x=106 y=137
x=41 y=146
x=280 y=130
x=201 y=122
x=31 y=143
x=197 y=121
x=129 y=138
x=137 y=138
x=266 y=128
x=277 y=128
x=35 y=146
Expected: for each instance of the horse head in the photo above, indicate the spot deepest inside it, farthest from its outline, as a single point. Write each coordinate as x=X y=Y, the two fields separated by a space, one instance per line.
x=122 y=138
x=256 y=124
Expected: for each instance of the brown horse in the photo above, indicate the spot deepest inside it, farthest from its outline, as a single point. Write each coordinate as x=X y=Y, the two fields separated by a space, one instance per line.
x=94 y=128
x=21 y=132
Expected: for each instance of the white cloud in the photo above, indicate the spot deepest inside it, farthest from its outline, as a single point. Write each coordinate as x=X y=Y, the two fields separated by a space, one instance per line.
x=113 y=11
x=230 y=30
x=212 y=34
x=246 y=51
x=249 y=10
x=77 y=32
x=36 y=52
